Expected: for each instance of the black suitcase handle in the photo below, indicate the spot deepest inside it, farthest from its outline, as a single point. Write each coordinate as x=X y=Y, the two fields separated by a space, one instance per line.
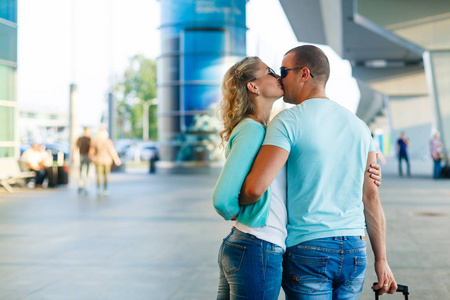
x=400 y=288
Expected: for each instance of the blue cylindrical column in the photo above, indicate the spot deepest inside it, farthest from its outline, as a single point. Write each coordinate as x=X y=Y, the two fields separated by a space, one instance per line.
x=199 y=41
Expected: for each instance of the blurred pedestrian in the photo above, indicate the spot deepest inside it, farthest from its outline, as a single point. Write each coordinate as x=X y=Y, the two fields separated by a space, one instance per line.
x=103 y=155
x=35 y=162
x=83 y=145
x=437 y=154
x=402 y=154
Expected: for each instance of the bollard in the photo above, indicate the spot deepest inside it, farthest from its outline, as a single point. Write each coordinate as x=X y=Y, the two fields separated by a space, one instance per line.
x=152 y=164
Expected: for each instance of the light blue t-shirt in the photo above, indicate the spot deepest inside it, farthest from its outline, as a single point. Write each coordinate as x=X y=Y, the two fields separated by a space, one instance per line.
x=243 y=145
x=328 y=148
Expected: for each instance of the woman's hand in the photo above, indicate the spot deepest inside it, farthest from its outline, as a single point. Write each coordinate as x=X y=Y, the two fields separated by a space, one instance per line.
x=375 y=173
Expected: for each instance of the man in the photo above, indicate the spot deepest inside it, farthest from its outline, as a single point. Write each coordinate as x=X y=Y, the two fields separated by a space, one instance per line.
x=84 y=145
x=36 y=162
x=327 y=150
x=402 y=146
x=436 y=154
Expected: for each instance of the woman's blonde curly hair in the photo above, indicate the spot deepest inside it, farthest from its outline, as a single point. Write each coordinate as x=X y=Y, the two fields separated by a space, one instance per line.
x=236 y=103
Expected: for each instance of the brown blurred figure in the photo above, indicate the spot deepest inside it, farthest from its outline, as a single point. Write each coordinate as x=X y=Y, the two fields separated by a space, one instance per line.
x=103 y=155
x=83 y=144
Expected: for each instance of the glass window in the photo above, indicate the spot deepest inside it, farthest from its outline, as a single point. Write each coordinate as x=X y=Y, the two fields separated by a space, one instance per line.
x=7 y=84
x=6 y=151
x=8 y=10
x=6 y=123
x=200 y=97
x=8 y=43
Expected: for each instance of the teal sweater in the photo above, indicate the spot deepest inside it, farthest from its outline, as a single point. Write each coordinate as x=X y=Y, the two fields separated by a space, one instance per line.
x=245 y=141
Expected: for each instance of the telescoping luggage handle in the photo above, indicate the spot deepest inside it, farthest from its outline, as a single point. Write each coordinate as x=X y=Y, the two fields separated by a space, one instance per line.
x=400 y=288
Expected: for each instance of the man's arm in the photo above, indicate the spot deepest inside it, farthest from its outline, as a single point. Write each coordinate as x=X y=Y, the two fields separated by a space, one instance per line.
x=376 y=228
x=266 y=166
x=406 y=142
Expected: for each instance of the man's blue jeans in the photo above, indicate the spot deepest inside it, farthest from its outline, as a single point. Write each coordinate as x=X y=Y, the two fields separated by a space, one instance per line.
x=324 y=269
x=250 y=268
x=403 y=156
x=84 y=172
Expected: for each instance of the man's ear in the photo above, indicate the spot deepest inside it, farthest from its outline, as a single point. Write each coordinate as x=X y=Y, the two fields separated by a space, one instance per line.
x=305 y=73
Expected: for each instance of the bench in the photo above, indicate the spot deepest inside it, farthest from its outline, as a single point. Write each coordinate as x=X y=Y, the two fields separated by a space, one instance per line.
x=10 y=173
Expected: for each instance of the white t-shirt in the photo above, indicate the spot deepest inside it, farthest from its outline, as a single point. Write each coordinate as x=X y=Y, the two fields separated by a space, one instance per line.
x=33 y=158
x=275 y=232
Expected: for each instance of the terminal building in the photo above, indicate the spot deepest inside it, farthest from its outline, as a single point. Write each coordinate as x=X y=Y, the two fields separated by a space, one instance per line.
x=199 y=41
x=399 y=51
x=9 y=144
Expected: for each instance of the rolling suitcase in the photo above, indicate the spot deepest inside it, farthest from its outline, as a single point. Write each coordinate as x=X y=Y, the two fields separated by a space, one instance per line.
x=63 y=175
x=52 y=174
x=400 y=289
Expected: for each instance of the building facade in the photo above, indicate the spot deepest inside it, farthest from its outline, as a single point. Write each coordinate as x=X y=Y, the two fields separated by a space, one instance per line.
x=9 y=144
x=200 y=40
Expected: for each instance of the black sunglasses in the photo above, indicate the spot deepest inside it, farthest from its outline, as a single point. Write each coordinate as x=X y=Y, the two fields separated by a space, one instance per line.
x=271 y=73
x=284 y=71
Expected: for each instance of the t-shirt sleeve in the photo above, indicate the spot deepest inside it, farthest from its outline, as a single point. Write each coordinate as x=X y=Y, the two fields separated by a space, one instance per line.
x=371 y=145
x=245 y=145
x=371 y=142
x=279 y=133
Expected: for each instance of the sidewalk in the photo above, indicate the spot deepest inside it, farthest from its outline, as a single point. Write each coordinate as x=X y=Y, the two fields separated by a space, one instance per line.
x=157 y=236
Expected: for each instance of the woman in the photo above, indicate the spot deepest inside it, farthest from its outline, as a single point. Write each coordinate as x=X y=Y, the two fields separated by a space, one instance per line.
x=250 y=257
x=103 y=156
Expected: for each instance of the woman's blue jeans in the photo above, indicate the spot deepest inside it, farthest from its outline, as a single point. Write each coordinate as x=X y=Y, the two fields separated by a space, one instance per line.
x=325 y=269
x=250 y=268
x=437 y=168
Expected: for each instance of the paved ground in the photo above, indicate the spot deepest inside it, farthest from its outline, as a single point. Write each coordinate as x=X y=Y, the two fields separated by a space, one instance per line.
x=157 y=236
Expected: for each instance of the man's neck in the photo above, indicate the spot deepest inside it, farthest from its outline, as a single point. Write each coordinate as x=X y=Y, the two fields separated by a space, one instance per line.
x=318 y=93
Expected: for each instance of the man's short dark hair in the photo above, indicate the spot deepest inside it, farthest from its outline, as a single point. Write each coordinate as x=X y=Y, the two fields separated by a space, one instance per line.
x=314 y=59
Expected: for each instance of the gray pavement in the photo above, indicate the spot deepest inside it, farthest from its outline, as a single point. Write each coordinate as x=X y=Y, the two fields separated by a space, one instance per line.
x=157 y=236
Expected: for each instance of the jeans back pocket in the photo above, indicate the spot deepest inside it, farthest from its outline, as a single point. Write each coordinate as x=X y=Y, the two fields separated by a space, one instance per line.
x=356 y=281
x=232 y=257
x=307 y=274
